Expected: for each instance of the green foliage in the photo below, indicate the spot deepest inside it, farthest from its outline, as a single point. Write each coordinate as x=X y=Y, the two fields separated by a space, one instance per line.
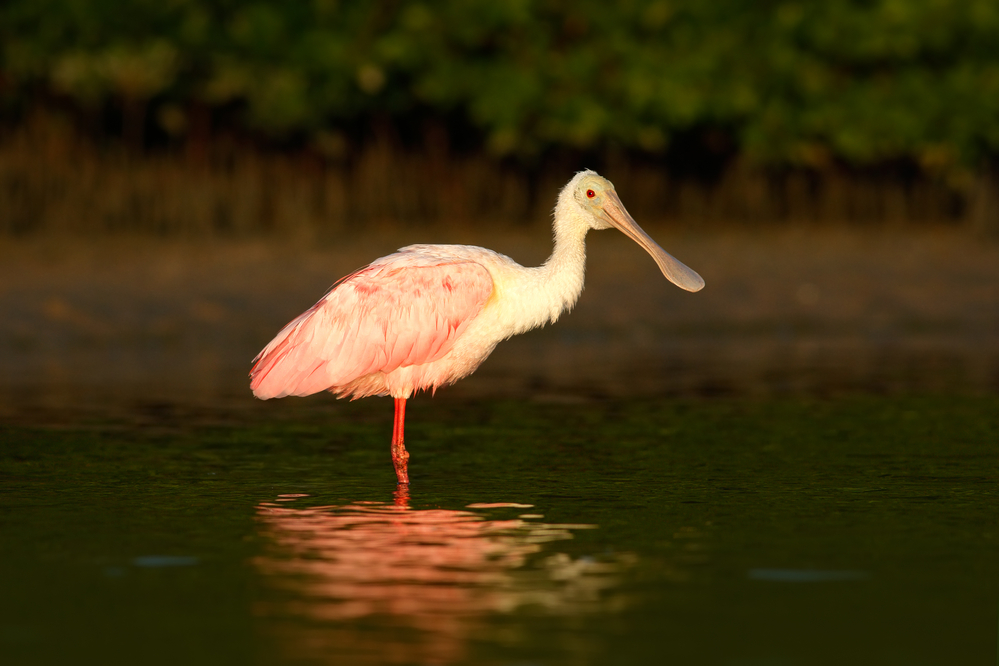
x=790 y=82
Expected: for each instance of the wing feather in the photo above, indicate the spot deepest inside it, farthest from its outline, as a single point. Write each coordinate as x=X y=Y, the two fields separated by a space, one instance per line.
x=403 y=310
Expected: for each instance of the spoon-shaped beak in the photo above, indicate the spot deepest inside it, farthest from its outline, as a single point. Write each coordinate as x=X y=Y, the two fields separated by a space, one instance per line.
x=673 y=269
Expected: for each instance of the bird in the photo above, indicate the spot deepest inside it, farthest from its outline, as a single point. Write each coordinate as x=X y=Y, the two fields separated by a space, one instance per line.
x=429 y=315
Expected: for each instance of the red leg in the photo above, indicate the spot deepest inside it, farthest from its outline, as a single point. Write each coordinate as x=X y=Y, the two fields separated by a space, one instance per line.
x=400 y=456
x=401 y=496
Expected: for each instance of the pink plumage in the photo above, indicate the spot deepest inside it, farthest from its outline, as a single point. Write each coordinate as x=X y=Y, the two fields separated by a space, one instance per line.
x=379 y=331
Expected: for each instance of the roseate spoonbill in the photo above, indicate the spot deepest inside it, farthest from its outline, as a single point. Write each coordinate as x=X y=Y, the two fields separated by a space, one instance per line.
x=429 y=315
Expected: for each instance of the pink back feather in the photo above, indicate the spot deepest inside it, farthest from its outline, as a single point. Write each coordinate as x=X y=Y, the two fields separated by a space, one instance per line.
x=404 y=309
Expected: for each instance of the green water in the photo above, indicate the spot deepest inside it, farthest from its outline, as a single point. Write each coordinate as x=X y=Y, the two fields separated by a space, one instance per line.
x=849 y=531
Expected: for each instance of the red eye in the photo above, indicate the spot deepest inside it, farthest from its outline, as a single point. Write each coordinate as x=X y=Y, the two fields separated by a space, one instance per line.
x=590 y=194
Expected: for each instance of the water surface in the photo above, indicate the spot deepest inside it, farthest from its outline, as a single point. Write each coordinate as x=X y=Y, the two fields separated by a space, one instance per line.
x=857 y=530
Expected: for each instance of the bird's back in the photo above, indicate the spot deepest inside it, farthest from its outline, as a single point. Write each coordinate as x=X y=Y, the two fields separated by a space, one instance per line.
x=406 y=309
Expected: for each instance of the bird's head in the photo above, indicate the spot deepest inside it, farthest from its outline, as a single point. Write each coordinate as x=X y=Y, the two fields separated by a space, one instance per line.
x=592 y=193
x=596 y=203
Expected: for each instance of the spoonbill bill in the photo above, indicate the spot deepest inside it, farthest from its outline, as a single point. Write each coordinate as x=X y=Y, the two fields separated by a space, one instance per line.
x=429 y=315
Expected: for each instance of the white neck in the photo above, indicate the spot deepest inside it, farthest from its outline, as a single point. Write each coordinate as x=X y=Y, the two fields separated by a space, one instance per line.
x=563 y=272
x=547 y=291
x=558 y=282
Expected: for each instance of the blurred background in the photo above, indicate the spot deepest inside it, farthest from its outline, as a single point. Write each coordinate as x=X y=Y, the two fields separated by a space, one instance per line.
x=178 y=178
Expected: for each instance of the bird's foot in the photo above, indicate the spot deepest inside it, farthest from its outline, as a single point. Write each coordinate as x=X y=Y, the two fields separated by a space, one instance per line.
x=401 y=496
x=400 y=459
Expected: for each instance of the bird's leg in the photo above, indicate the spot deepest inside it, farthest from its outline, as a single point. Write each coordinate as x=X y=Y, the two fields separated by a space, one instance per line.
x=401 y=495
x=400 y=456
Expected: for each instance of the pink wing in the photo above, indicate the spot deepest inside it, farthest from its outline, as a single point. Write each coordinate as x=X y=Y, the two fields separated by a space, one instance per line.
x=401 y=310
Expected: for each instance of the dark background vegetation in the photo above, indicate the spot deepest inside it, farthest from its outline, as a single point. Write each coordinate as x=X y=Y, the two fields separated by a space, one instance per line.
x=830 y=168
x=225 y=117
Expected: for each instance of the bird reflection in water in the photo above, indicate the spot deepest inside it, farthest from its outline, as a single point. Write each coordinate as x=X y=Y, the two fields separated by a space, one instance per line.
x=370 y=582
